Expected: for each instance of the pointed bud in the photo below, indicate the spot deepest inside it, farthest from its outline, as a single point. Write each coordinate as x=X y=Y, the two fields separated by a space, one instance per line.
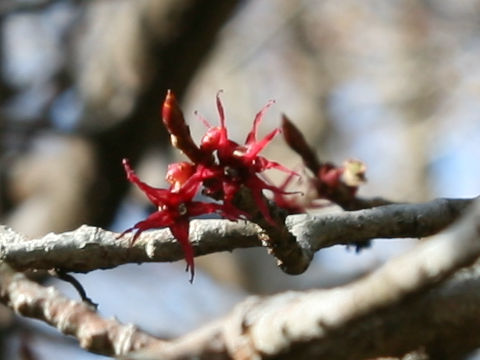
x=296 y=141
x=179 y=131
x=179 y=173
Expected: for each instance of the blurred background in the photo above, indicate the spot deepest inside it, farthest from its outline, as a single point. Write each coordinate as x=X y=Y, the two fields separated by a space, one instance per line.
x=395 y=84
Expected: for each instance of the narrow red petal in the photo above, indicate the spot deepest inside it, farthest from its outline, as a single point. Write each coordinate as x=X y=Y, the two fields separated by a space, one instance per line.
x=255 y=148
x=221 y=113
x=125 y=232
x=158 y=219
x=262 y=204
x=180 y=230
x=189 y=189
x=155 y=195
x=196 y=208
x=252 y=136
x=264 y=164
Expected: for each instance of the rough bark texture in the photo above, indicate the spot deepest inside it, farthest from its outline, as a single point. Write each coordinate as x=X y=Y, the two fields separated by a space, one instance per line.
x=403 y=306
x=393 y=311
x=90 y=248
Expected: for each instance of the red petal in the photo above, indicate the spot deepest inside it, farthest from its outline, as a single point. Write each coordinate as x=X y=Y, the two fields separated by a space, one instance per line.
x=252 y=136
x=256 y=147
x=196 y=208
x=179 y=173
x=221 y=113
x=188 y=190
x=158 y=219
x=155 y=195
x=261 y=202
x=180 y=231
x=262 y=164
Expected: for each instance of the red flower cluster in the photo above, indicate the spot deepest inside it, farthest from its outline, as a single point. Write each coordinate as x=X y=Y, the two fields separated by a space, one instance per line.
x=237 y=165
x=338 y=184
x=219 y=166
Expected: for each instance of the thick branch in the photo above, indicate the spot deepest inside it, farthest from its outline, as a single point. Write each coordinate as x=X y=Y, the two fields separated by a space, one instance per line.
x=89 y=248
x=388 y=312
x=95 y=334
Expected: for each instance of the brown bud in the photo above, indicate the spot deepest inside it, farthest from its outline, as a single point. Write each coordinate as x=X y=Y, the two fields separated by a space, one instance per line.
x=296 y=141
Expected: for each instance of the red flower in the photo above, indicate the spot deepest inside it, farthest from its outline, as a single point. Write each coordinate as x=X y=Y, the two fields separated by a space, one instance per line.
x=290 y=204
x=179 y=173
x=338 y=184
x=239 y=164
x=221 y=165
x=175 y=208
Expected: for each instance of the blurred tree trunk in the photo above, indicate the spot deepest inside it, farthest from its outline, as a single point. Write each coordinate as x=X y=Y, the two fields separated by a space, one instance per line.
x=122 y=56
x=179 y=35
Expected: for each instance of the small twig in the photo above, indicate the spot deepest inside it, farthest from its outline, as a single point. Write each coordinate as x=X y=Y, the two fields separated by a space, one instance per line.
x=61 y=274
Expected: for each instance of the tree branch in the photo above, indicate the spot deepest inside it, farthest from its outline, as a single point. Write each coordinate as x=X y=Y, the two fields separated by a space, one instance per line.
x=90 y=248
x=370 y=317
x=389 y=221
x=390 y=312
x=95 y=334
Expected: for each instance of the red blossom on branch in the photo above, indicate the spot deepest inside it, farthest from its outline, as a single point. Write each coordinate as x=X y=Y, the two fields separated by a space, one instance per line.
x=179 y=131
x=291 y=204
x=219 y=166
x=338 y=184
x=239 y=165
x=222 y=169
x=175 y=207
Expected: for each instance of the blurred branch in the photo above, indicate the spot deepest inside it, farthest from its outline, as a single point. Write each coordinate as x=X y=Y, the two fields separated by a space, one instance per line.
x=16 y=6
x=161 y=48
x=95 y=334
x=162 y=51
x=90 y=248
